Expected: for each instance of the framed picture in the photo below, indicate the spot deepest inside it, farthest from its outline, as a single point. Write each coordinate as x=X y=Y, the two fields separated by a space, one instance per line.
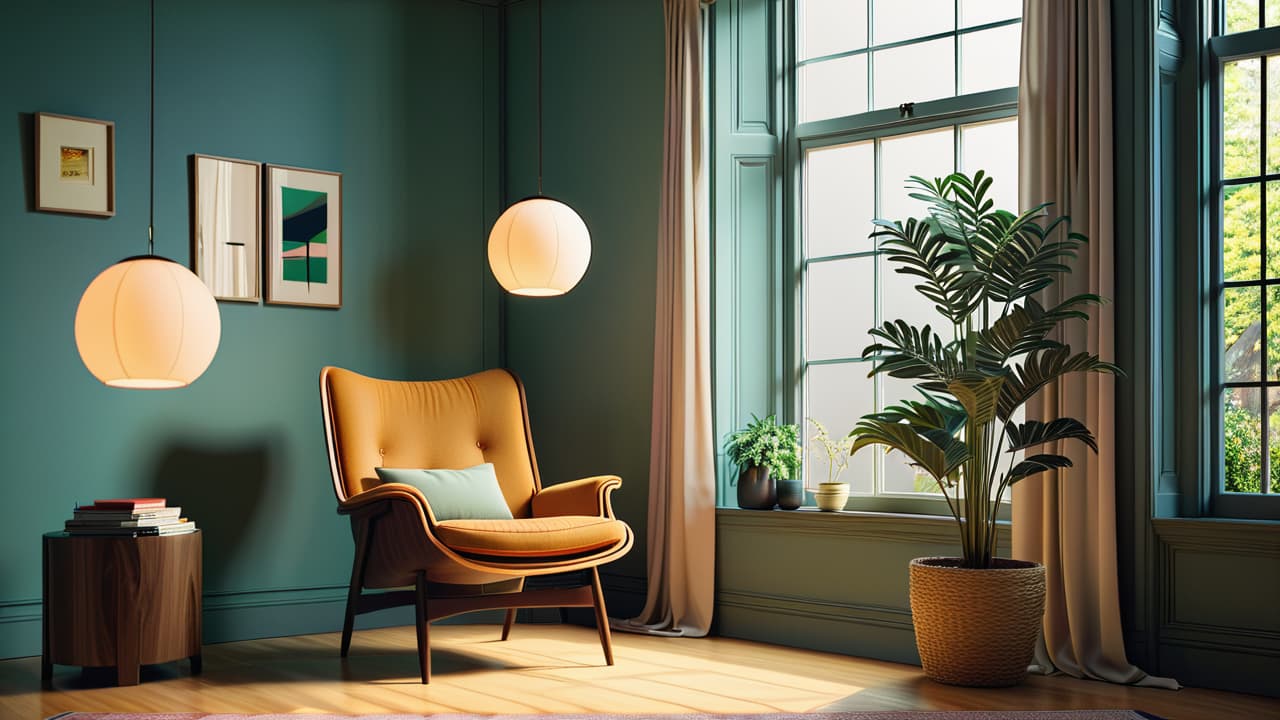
x=226 y=226
x=304 y=237
x=75 y=165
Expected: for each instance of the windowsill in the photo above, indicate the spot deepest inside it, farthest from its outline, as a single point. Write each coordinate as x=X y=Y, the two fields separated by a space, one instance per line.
x=1222 y=534
x=869 y=514
x=940 y=529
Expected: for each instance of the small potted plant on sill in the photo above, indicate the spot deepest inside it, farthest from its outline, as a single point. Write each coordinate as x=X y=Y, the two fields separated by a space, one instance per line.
x=768 y=457
x=832 y=494
x=977 y=616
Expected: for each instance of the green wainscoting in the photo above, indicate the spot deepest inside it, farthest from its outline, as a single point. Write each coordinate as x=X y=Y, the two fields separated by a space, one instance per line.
x=826 y=581
x=401 y=97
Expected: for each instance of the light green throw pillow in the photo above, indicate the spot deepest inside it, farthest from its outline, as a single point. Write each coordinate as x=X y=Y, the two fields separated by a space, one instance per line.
x=470 y=494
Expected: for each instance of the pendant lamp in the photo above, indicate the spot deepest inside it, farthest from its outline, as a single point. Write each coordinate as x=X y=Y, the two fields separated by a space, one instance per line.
x=540 y=246
x=147 y=322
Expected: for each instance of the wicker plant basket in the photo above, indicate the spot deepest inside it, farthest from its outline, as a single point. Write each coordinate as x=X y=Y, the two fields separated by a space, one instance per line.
x=976 y=627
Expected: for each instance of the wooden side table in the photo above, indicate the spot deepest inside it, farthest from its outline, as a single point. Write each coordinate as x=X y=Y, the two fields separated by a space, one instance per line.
x=120 y=601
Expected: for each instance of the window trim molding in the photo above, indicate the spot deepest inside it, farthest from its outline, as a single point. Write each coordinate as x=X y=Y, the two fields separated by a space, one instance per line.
x=1216 y=51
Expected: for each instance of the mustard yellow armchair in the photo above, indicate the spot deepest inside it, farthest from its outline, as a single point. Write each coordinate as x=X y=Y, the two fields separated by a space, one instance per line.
x=458 y=566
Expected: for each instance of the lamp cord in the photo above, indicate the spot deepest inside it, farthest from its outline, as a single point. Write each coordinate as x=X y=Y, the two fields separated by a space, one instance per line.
x=539 y=96
x=151 y=129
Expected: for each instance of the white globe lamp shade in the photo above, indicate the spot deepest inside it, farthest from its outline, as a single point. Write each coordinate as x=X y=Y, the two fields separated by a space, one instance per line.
x=539 y=247
x=147 y=323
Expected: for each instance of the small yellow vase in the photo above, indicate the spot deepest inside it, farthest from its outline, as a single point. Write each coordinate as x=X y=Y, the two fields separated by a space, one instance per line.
x=831 y=496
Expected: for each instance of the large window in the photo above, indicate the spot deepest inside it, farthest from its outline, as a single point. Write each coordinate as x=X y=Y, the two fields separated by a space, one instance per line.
x=885 y=90
x=1245 y=50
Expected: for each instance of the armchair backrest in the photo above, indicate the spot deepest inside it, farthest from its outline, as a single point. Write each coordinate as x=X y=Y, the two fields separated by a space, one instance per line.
x=438 y=424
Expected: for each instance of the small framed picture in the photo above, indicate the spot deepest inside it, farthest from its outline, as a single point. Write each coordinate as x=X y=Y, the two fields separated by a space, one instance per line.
x=75 y=165
x=304 y=237
x=226 y=226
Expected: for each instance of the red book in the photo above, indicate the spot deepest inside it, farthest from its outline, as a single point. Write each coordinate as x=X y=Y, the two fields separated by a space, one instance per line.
x=128 y=504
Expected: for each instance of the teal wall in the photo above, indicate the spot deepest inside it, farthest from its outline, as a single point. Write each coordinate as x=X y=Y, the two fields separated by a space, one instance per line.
x=587 y=357
x=398 y=95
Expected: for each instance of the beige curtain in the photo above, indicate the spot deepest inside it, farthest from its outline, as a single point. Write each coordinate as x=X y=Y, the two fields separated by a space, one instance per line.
x=682 y=496
x=1067 y=520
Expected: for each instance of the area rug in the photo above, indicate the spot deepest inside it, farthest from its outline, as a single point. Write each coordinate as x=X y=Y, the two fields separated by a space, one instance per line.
x=885 y=715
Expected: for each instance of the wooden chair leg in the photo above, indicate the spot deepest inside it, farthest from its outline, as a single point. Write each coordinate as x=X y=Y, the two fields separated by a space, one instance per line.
x=424 y=629
x=602 y=617
x=511 y=616
x=508 y=622
x=357 y=581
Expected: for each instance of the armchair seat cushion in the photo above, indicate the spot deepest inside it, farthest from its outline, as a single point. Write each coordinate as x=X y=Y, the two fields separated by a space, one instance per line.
x=539 y=539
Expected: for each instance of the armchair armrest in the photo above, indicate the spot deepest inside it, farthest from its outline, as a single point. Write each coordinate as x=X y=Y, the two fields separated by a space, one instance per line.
x=588 y=496
x=388 y=492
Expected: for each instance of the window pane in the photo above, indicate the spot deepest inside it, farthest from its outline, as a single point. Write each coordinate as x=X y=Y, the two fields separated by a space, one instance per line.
x=993 y=147
x=839 y=199
x=981 y=12
x=1273 y=333
x=915 y=73
x=1241 y=223
x=1242 y=440
x=837 y=395
x=839 y=308
x=1241 y=15
x=827 y=27
x=833 y=88
x=1273 y=13
x=896 y=20
x=1242 y=331
x=1273 y=107
x=927 y=154
x=989 y=59
x=1241 y=121
x=1273 y=229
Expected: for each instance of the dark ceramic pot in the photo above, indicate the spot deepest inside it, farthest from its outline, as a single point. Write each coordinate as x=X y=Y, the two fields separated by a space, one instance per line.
x=790 y=494
x=756 y=490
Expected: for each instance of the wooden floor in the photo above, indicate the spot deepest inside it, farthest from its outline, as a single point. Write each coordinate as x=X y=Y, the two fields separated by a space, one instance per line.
x=559 y=669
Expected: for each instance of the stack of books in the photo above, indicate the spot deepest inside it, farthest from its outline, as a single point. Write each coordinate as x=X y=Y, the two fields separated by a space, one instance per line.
x=130 y=517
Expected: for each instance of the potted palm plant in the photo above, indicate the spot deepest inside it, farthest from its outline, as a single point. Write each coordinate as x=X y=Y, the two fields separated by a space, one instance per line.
x=766 y=453
x=977 y=616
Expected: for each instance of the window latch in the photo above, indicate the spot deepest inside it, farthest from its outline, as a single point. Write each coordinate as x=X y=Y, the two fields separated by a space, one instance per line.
x=906 y=110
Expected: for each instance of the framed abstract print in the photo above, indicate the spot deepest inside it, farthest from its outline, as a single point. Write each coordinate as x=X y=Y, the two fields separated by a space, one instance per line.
x=75 y=165
x=226 y=226
x=304 y=237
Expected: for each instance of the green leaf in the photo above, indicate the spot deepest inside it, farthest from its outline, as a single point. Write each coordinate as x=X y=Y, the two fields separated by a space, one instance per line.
x=938 y=455
x=948 y=277
x=1041 y=367
x=978 y=394
x=1024 y=328
x=1035 y=465
x=910 y=352
x=1033 y=432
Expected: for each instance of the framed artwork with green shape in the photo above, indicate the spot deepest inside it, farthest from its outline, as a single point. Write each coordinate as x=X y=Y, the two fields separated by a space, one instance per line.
x=304 y=237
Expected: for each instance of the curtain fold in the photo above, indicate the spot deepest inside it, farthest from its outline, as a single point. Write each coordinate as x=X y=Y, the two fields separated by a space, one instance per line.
x=1067 y=519
x=682 y=495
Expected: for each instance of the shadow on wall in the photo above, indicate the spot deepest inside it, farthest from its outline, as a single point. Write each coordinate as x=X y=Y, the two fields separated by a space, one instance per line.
x=27 y=137
x=223 y=486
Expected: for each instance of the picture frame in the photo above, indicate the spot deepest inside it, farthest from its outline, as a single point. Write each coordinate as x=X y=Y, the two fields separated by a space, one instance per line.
x=75 y=165
x=304 y=237
x=226 y=226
